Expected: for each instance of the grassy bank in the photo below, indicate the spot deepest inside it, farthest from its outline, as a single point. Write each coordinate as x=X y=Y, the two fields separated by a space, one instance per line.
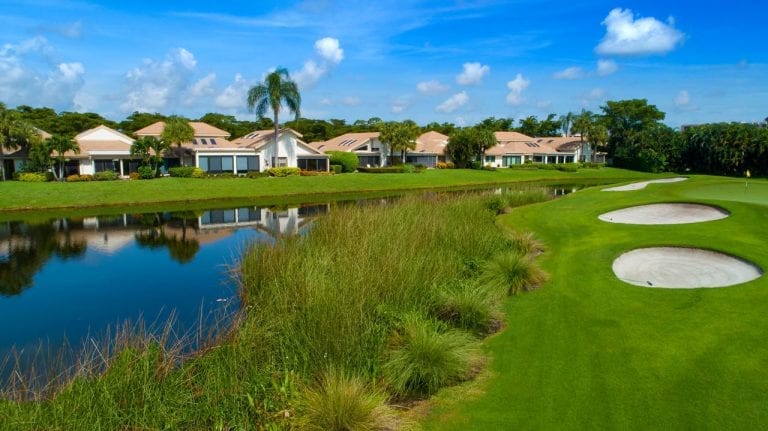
x=590 y=352
x=378 y=304
x=17 y=196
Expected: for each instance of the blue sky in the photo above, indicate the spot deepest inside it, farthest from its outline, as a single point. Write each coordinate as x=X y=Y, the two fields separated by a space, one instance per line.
x=455 y=61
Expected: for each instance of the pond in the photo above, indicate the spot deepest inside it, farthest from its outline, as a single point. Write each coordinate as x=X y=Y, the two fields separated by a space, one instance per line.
x=65 y=280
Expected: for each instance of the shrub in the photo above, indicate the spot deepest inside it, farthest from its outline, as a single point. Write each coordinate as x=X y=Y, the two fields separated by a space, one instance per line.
x=512 y=271
x=441 y=165
x=255 y=174
x=134 y=176
x=409 y=168
x=337 y=169
x=315 y=173
x=181 y=171
x=341 y=402
x=32 y=177
x=105 y=176
x=476 y=165
x=348 y=161
x=469 y=306
x=145 y=172
x=199 y=173
x=86 y=177
x=424 y=359
x=283 y=172
x=496 y=204
x=73 y=178
x=383 y=170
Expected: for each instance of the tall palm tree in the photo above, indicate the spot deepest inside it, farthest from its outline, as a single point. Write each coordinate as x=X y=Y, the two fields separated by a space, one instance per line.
x=270 y=94
x=60 y=145
x=13 y=134
x=400 y=136
x=177 y=131
x=150 y=149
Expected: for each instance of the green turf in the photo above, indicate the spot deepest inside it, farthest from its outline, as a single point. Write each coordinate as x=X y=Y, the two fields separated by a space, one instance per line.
x=17 y=196
x=587 y=351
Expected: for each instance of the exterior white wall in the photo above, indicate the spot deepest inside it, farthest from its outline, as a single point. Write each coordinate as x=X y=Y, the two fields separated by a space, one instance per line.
x=86 y=167
x=104 y=135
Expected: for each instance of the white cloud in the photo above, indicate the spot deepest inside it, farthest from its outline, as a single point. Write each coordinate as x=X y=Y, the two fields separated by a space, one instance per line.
x=325 y=101
x=682 y=99
x=516 y=88
x=472 y=74
x=330 y=55
x=400 y=104
x=30 y=75
x=593 y=95
x=606 y=67
x=453 y=103
x=626 y=35
x=570 y=73
x=233 y=97
x=431 y=88
x=156 y=85
x=329 y=50
x=352 y=101
x=204 y=86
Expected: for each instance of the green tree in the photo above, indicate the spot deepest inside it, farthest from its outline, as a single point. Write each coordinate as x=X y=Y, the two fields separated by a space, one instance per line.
x=625 y=118
x=597 y=137
x=13 y=134
x=529 y=126
x=270 y=94
x=496 y=124
x=139 y=120
x=177 y=131
x=150 y=149
x=465 y=145
x=60 y=145
x=566 y=121
x=400 y=137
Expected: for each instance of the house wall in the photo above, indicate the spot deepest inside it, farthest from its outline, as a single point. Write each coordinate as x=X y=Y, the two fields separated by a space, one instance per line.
x=86 y=167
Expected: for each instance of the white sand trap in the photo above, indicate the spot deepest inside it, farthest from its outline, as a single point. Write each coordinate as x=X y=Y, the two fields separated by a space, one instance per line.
x=641 y=185
x=672 y=213
x=682 y=268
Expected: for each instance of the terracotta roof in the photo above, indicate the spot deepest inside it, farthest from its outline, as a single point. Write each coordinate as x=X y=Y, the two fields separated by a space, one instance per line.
x=117 y=142
x=512 y=136
x=517 y=143
x=202 y=130
x=431 y=143
x=345 y=142
x=562 y=143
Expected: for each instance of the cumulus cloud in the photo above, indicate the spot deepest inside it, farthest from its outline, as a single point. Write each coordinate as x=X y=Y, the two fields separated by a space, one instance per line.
x=400 y=104
x=155 y=85
x=328 y=48
x=233 y=97
x=682 y=99
x=570 y=73
x=472 y=74
x=30 y=74
x=453 y=103
x=352 y=101
x=431 y=88
x=516 y=88
x=329 y=55
x=204 y=86
x=626 y=35
x=606 y=67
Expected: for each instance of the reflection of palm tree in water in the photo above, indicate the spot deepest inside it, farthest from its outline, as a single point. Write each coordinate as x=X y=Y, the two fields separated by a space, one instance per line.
x=154 y=236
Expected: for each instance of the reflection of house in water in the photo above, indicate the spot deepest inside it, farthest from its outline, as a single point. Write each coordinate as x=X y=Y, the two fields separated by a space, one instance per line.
x=272 y=221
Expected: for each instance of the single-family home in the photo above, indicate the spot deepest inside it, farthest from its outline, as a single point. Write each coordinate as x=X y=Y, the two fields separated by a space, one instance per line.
x=101 y=149
x=14 y=161
x=366 y=145
x=430 y=149
x=581 y=148
x=213 y=152
x=513 y=148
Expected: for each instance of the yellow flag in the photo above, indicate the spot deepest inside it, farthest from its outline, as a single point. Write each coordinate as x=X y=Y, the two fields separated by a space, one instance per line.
x=748 y=174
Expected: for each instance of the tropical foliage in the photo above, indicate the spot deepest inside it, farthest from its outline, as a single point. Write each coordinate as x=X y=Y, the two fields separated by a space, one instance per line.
x=60 y=145
x=14 y=133
x=177 y=131
x=276 y=89
x=150 y=149
x=400 y=137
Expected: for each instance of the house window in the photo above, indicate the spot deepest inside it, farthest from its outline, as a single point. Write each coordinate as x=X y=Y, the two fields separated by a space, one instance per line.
x=216 y=163
x=282 y=162
x=313 y=164
x=247 y=163
x=490 y=159
x=510 y=160
x=106 y=165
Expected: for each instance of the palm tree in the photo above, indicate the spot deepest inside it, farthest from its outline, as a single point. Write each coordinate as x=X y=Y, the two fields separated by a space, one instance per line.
x=177 y=131
x=13 y=134
x=61 y=145
x=150 y=149
x=400 y=136
x=270 y=94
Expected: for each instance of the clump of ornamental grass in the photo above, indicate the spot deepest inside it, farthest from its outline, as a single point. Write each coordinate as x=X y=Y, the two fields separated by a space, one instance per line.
x=512 y=271
x=424 y=357
x=342 y=402
x=469 y=306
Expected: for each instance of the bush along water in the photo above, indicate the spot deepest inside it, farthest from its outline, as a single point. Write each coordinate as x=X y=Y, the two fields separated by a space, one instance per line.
x=375 y=304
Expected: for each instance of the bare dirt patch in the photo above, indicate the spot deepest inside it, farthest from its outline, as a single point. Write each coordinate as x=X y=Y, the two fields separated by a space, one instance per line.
x=642 y=184
x=669 y=213
x=683 y=268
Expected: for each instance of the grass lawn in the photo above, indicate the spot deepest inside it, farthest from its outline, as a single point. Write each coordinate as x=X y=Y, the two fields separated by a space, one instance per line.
x=587 y=351
x=17 y=196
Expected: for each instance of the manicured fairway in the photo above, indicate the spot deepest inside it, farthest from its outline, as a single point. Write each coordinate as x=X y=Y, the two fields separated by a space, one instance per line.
x=17 y=196
x=587 y=351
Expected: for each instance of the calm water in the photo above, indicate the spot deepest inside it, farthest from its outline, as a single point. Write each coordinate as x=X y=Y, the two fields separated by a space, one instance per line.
x=65 y=279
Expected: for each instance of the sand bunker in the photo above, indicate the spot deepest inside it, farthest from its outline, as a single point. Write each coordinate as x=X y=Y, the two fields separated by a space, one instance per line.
x=682 y=268
x=642 y=184
x=672 y=213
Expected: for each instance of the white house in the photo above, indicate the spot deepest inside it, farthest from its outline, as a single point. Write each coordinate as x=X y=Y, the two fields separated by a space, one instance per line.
x=513 y=148
x=101 y=149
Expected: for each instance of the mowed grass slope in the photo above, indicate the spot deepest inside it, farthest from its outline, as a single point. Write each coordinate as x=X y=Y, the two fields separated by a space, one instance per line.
x=19 y=196
x=587 y=351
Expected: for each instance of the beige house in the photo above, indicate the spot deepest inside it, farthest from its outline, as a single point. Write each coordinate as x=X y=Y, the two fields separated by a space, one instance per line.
x=101 y=149
x=366 y=145
x=430 y=149
x=513 y=148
